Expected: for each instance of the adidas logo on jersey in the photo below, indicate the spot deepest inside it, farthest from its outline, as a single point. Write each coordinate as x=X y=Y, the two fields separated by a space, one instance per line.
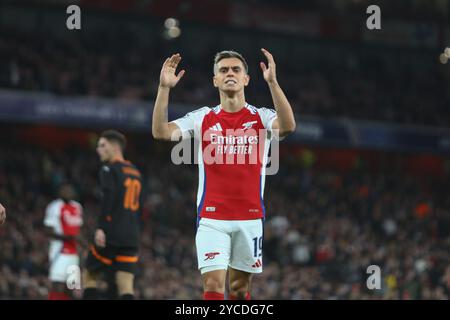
x=216 y=127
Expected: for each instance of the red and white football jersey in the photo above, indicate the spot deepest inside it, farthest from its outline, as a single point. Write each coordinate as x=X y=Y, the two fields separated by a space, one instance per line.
x=232 y=158
x=65 y=219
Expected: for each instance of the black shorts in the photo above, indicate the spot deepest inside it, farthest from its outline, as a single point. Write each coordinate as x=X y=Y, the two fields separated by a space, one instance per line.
x=112 y=258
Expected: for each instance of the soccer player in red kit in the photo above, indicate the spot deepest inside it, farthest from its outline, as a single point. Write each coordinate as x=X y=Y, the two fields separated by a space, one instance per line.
x=230 y=195
x=63 y=219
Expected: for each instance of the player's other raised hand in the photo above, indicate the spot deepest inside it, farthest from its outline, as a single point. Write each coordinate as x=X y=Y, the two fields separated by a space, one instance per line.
x=269 y=71
x=167 y=78
x=2 y=214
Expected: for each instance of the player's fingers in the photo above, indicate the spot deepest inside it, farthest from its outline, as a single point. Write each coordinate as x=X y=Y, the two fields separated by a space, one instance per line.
x=171 y=62
x=175 y=59
x=268 y=55
x=166 y=62
x=263 y=66
x=101 y=242
x=181 y=74
x=265 y=52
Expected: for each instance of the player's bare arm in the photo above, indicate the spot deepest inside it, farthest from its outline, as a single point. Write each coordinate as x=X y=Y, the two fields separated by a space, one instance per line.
x=285 y=121
x=161 y=127
x=2 y=214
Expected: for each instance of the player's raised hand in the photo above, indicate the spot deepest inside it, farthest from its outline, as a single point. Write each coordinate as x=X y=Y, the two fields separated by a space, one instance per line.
x=2 y=214
x=168 y=79
x=269 y=72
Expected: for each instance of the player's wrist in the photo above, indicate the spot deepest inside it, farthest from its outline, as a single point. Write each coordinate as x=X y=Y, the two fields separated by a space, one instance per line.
x=273 y=82
x=164 y=87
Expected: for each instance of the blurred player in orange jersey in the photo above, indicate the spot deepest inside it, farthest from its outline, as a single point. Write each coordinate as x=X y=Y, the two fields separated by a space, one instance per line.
x=114 y=250
x=63 y=219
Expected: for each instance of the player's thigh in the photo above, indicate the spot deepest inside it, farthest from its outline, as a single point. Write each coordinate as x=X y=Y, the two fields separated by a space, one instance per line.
x=62 y=266
x=246 y=246
x=213 y=244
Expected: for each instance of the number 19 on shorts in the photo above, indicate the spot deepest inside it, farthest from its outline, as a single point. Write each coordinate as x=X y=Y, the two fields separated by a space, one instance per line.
x=257 y=247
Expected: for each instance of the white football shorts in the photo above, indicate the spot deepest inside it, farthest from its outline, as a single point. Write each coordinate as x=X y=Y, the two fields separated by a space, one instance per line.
x=61 y=265
x=229 y=243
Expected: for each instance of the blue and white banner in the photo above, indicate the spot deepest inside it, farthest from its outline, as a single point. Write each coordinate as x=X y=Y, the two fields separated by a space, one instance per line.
x=16 y=107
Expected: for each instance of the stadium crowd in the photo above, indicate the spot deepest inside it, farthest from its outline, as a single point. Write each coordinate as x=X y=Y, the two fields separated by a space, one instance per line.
x=323 y=227
x=353 y=82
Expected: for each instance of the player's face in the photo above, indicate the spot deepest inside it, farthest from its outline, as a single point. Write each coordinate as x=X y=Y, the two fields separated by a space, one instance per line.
x=67 y=192
x=230 y=75
x=104 y=149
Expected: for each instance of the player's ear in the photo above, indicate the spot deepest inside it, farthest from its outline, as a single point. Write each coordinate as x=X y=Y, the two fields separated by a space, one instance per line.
x=117 y=148
x=247 y=79
x=214 y=81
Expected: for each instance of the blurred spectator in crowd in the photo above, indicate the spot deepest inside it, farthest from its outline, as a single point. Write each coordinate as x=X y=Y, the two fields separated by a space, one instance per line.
x=393 y=86
x=319 y=238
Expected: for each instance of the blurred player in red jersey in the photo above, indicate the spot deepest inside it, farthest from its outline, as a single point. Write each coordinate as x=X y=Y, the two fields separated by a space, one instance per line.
x=2 y=214
x=230 y=204
x=63 y=219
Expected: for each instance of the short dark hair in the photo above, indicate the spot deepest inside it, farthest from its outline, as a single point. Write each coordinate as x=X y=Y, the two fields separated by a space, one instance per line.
x=115 y=136
x=64 y=183
x=229 y=54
